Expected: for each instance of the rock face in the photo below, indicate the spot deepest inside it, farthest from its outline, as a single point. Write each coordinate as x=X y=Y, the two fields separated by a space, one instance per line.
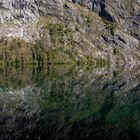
x=85 y=28
x=18 y=18
x=125 y=13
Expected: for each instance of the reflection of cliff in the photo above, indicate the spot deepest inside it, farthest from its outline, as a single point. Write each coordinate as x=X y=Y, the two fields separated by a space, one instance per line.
x=124 y=77
x=60 y=102
x=19 y=111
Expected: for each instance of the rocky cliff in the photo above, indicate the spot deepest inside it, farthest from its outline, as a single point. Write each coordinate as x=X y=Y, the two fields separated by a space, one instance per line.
x=69 y=31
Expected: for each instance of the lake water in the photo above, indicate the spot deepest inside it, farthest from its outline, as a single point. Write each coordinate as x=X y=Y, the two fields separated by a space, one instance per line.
x=69 y=103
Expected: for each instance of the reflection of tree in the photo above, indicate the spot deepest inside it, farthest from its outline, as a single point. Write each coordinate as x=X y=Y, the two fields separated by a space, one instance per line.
x=69 y=103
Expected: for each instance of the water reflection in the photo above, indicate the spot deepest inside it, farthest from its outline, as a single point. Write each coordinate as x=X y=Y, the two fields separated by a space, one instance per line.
x=65 y=102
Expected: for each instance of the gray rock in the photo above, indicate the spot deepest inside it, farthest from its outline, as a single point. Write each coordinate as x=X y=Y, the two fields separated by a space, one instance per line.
x=102 y=26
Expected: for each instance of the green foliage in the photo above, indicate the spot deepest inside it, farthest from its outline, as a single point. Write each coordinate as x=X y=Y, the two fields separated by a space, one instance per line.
x=1 y=64
x=87 y=17
x=58 y=32
x=111 y=26
x=115 y=51
x=96 y=62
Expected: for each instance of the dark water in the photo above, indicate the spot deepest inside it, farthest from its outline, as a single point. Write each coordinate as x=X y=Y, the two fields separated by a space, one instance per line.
x=69 y=103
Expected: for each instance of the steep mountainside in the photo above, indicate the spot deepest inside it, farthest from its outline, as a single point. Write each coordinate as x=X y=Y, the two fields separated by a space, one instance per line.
x=96 y=32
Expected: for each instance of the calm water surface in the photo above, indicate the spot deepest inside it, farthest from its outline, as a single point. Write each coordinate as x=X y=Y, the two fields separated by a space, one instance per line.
x=69 y=103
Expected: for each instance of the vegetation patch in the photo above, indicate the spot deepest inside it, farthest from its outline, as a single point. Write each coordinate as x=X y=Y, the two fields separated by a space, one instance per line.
x=1 y=64
x=111 y=26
